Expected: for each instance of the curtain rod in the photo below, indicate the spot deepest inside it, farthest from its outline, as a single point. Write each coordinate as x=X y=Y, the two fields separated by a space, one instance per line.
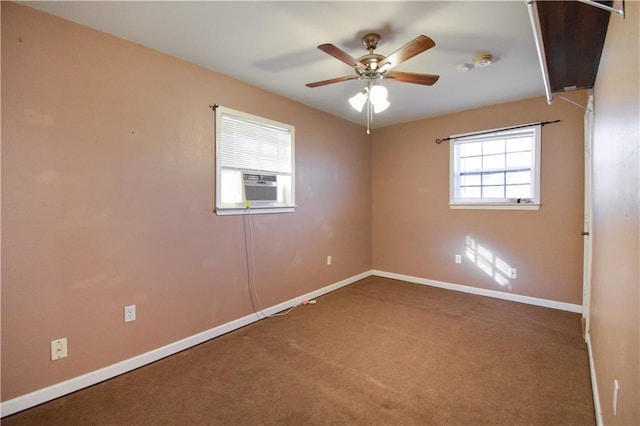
x=541 y=123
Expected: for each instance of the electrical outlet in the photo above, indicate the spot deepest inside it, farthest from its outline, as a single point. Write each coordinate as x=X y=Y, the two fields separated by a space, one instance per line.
x=129 y=313
x=458 y=258
x=513 y=273
x=329 y=260
x=58 y=349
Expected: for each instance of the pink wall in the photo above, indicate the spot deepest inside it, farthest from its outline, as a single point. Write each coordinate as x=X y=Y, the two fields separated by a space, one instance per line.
x=615 y=294
x=415 y=232
x=107 y=197
x=107 y=192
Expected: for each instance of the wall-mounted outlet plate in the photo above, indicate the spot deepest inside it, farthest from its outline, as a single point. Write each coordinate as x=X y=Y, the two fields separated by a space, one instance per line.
x=458 y=258
x=329 y=260
x=58 y=349
x=129 y=313
x=513 y=273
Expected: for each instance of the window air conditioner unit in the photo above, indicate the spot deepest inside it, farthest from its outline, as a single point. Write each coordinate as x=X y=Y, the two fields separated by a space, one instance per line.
x=260 y=188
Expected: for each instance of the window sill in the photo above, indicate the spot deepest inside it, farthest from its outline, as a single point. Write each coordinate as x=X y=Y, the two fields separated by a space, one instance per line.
x=494 y=206
x=230 y=211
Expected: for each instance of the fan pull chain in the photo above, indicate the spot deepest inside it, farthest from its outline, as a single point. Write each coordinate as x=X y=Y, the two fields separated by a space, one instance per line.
x=368 y=114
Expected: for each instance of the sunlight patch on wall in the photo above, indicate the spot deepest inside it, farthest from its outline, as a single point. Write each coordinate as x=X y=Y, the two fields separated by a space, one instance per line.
x=488 y=262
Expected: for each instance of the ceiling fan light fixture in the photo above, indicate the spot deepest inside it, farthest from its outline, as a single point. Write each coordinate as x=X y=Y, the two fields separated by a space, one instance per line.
x=380 y=105
x=378 y=94
x=358 y=100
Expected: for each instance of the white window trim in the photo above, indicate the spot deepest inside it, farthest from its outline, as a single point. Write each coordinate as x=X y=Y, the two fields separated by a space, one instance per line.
x=230 y=211
x=222 y=209
x=533 y=204
x=494 y=206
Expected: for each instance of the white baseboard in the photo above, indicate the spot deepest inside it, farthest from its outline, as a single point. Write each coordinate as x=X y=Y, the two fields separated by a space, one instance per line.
x=482 y=292
x=594 y=383
x=57 y=390
x=49 y=393
x=316 y=293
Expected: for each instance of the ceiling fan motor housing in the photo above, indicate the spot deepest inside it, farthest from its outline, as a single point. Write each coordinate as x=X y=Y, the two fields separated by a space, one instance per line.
x=371 y=41
x=371 y=61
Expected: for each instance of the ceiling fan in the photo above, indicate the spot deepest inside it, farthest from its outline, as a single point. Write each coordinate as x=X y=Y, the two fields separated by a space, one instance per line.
x=373 y=66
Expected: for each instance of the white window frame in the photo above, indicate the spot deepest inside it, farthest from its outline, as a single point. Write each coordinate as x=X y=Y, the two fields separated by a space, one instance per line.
x=457 y=202
x=286 y=193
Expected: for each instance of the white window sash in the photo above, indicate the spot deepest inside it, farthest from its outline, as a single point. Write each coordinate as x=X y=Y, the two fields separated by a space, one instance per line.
x=456 y=201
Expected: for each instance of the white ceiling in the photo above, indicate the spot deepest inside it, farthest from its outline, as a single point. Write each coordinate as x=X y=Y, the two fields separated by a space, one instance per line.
x=272 y=45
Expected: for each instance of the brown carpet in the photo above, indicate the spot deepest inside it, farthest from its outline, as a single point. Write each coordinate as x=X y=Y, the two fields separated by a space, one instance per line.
x=376 y=352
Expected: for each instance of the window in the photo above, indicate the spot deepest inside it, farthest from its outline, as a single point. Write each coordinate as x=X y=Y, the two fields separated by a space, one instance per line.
x=254 y=164
x=497 y=169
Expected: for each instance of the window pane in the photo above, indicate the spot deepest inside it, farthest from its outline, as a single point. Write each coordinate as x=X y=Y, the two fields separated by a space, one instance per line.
x=493 y=192
x=493 y=178
x=284 y=189
x=519 y=159
x=519 y=177
x=493 y=147
x=471 y=163
x=519 y=191
x=469 y=149
x=231 y=186
x=470 y=192
x=493 y=161
x=519 y=144
x=467 y=180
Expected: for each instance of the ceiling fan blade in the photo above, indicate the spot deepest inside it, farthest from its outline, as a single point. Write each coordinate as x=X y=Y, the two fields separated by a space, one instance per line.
x=410 y=77
x=331 y=81
x=340 y=54
x=408 y=51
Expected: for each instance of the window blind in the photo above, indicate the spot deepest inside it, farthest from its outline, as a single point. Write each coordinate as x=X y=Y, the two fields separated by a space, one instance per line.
x=248 y=145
